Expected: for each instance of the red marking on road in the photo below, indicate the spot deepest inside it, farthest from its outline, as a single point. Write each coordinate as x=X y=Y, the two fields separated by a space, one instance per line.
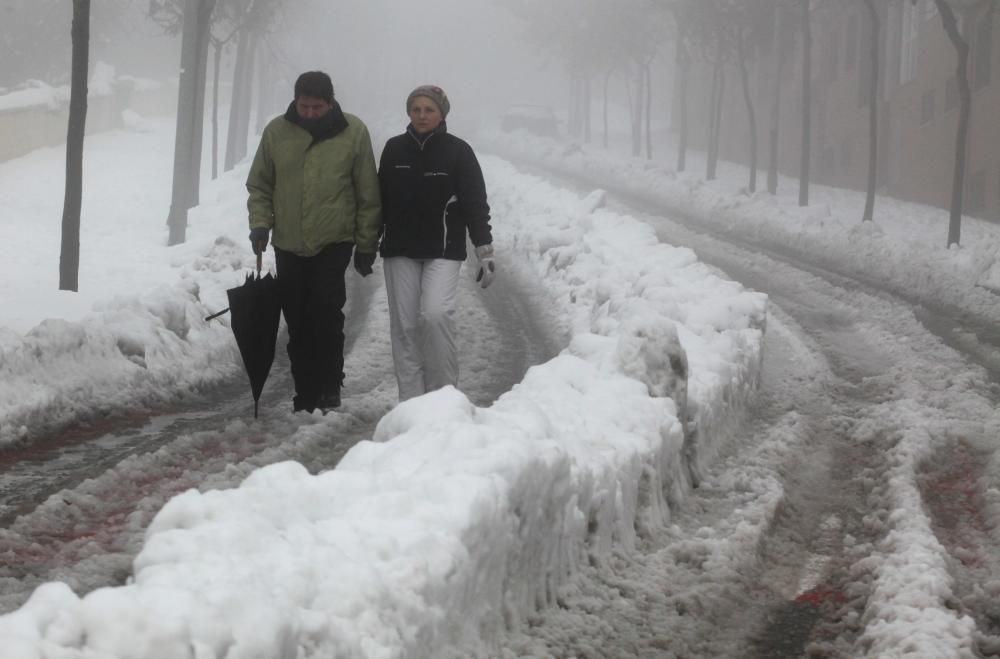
x=101 y=520
x=819 y=596
x=955 y=500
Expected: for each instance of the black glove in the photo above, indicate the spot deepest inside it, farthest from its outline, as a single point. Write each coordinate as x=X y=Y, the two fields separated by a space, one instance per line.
x=363 y=262
x=258 y=239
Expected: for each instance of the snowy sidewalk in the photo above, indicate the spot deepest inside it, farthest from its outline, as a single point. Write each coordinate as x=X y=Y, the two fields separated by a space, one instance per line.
x=902 y=250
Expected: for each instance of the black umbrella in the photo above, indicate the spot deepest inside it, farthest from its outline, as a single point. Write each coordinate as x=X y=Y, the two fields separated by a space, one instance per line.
x=255 y=308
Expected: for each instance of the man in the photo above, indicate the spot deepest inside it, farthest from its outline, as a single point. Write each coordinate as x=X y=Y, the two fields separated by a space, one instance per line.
x=314 y=190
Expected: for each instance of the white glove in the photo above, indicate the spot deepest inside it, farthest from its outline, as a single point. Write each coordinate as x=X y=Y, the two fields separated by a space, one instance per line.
x=487 y=266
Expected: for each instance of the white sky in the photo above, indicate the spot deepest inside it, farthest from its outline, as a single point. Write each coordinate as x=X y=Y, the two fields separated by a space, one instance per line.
x=379 y=558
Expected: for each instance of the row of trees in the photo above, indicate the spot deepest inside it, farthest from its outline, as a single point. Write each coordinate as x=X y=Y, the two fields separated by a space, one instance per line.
x=720 y=37
x=215 y=24
x=201 y=24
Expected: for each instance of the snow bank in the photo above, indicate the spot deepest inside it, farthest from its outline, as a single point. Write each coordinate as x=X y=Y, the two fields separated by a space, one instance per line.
x=454 y=522
x=143 y=349
x=35 y=93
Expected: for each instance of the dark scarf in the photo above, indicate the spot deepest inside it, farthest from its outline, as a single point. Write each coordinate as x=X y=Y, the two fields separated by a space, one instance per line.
x=422 y=139
x=322 y=128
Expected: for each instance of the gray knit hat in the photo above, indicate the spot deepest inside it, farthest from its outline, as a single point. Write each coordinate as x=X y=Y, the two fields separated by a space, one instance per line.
x=434 y=93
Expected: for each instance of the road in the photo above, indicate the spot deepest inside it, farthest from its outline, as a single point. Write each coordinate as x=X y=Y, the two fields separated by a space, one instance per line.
x=75 y=505
x=787 y=547
x=780 y=552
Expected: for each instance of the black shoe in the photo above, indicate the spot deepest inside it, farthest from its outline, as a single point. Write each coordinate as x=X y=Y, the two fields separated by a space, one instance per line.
x=328 y=401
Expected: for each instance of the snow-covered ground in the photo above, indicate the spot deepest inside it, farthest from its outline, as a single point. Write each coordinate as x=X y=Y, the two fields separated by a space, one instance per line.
x=454 y=521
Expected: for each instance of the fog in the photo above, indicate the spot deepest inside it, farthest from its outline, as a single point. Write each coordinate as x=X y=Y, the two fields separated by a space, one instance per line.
x=376 y=51
x=607 y=72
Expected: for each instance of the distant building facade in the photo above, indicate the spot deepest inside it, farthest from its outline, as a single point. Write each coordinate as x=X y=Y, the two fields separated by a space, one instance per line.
x=918 y=103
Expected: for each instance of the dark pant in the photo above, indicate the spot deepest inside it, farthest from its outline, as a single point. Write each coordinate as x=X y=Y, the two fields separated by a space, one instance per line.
x=312 y=299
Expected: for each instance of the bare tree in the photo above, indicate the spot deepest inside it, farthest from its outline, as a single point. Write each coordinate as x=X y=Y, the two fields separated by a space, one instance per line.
x=744 y=21
x=190 y=115
x=639 y=102
x=716 y=52
x=682 y=66
x=874 y=62
x=949 y=11
x=805 y=17
x=566 y=30
x=69 y=257
x=239 y=107
x=778 y=46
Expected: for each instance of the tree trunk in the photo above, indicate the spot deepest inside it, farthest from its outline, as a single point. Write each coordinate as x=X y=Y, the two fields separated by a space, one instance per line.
x=806 y=103
x=716 y=143
x=635 y=110
x=571 y=114
x=649 y=111
x=586 y=110
x=774 y=133
x=243 y=130
x=748 y=100
x=869 y=213
x=607 y=81
x=965 y=108
x=264 y=95
x=719 y=85
x=69 y=256
x=190 y=116
x=684 y=64
x=713 y=94
x=201 y=86
x=215 y=110
x=236 y=104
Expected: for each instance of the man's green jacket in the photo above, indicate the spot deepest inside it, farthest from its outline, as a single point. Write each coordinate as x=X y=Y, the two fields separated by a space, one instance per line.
x=314 y=192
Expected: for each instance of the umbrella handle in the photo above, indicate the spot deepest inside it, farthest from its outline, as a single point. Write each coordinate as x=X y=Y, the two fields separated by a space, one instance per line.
x=260 y=259
x=216 y=314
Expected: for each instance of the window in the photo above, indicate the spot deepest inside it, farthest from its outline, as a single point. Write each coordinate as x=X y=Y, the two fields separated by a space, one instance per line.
x=927 y=106
x=982 y=53
x=950 y=94
x=851 y=45
x=909 y=31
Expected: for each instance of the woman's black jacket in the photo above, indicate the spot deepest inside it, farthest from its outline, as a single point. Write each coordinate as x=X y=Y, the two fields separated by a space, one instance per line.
x=432 y=191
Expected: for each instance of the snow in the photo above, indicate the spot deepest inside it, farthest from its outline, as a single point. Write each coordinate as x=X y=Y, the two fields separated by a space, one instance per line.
x=453 y=522
x=388 y=559
x=904 y=248
x=37 y=93
x=910 y=611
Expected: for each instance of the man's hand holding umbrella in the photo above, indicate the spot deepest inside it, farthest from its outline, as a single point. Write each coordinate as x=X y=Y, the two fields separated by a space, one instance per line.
x=258 y=240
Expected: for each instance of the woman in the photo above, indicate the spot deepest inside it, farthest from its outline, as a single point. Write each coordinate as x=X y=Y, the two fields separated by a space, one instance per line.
x=432 y=194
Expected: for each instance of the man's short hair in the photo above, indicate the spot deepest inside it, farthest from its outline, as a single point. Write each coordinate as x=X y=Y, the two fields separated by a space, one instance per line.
x=316 y=84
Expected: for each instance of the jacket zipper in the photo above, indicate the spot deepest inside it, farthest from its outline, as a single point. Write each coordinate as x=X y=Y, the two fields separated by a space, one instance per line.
x=444 y=224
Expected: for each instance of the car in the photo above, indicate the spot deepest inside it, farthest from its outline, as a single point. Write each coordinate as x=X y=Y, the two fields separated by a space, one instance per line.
x=536 y=119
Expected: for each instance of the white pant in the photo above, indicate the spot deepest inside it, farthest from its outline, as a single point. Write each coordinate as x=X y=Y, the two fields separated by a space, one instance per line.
x=422 y=296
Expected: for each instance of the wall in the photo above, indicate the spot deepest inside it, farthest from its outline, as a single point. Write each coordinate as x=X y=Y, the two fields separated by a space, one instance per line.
x=24 y=129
